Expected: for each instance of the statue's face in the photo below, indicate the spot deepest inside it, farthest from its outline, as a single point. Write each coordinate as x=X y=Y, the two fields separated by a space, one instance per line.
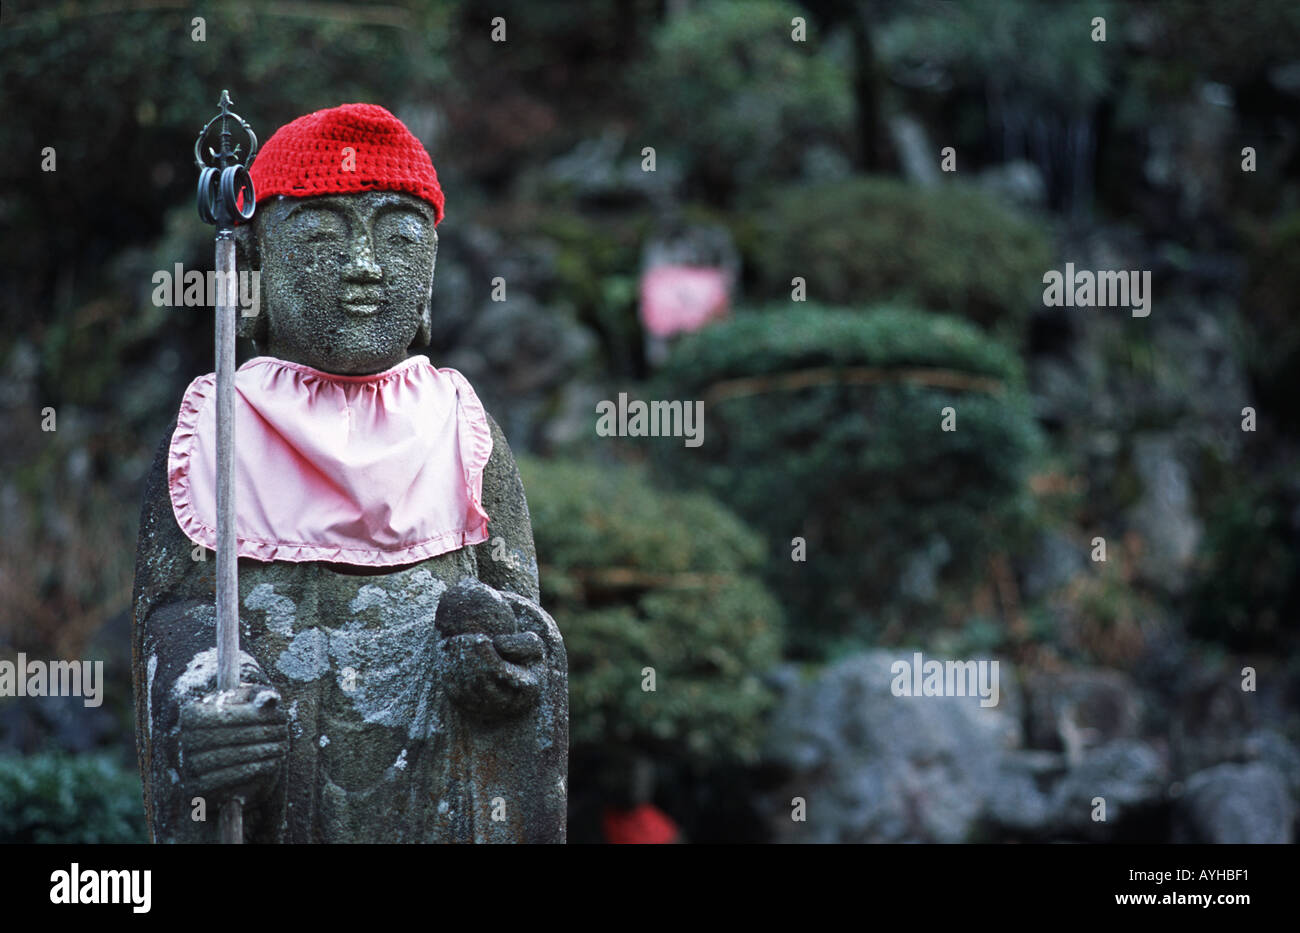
x=346 y=279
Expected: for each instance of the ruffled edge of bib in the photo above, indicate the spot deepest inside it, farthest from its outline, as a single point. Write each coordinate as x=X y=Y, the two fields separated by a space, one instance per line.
x=475 y=447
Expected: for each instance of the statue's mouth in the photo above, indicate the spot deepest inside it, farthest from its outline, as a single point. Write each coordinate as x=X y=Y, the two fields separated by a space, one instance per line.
x=361 y=305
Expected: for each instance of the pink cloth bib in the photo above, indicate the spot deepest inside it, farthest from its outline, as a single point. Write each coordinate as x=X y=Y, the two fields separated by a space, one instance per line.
x=374 y=470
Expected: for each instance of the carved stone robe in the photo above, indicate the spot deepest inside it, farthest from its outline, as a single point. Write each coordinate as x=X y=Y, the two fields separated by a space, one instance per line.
x=378 y=751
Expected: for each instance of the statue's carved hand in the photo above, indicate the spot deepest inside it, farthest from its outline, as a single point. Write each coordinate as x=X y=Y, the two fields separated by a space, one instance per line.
x=495 y=657
x=234 y=744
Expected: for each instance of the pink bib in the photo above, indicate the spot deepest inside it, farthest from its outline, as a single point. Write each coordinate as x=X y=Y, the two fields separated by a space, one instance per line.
x=374 y=470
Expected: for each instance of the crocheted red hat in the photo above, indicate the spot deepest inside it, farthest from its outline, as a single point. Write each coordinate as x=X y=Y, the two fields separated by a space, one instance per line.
x=307 y=157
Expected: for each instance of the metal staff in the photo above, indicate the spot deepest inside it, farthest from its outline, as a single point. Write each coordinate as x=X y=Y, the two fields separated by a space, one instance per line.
x=226 y=198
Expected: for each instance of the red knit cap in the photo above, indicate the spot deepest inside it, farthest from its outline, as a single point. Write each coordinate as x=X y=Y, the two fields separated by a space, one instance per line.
x=306 y=157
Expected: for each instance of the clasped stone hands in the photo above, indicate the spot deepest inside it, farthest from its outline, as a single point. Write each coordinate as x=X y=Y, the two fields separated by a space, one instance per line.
x=494 y=644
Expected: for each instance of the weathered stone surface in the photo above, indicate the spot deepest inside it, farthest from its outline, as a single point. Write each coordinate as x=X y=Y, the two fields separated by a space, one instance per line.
x=392 y=759
x=1271 y=747
x=1233 y=803
x=1074 y=710
x=1166 y=513
x=428 y=703
x=1039 y=797
x=1021 y=799
x=874 y=767
x=1129 y=775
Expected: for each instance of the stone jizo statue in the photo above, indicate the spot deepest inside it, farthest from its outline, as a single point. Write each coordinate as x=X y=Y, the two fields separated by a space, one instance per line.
x=398 y=683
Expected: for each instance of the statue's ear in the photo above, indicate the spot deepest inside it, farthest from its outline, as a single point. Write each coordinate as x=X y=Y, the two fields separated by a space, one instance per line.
x=249 y=256
x=247 y=253
x=424 y=336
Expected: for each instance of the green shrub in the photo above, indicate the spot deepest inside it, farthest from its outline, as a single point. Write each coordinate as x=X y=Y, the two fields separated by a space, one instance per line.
x=1025 y=51
x=1232 y=41
x=1247 y=590
x=868 y=240
x=729 y=94
x=637 y=577
x=55 y=797
x=1271 y=308
x=595 y=261
x=826 y=425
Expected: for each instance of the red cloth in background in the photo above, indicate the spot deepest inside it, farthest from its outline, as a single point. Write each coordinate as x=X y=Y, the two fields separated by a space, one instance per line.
x=681 y=299
x=642 y=825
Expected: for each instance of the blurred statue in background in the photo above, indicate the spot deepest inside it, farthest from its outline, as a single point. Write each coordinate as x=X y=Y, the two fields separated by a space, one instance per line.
x=399 y=680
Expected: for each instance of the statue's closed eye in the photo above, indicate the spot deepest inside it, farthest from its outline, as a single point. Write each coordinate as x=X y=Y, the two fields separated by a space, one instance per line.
x=400 y=229
x=320 y=225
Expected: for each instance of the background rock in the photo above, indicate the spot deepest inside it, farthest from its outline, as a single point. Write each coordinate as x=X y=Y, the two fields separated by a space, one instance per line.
x=1238 y=804
x=1074 y=710
x=1130 y=776
x=874 y=767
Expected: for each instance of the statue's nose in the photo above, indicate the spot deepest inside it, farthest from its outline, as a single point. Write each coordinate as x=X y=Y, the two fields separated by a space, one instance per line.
x=362 y=266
